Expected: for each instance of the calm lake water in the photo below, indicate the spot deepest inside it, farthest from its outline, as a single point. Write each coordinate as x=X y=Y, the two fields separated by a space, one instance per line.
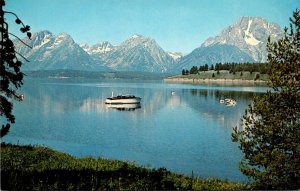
x=185 y=132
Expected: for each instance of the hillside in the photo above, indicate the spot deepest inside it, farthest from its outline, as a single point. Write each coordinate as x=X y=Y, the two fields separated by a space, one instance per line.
x=224 y=76
x=216 y=53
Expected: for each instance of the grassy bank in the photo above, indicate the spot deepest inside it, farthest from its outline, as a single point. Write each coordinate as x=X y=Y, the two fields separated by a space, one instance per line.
x=40 y=168
x=222 y=77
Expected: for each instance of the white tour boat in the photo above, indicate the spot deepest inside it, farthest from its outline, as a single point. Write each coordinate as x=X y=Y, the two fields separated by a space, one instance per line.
x=123 y=99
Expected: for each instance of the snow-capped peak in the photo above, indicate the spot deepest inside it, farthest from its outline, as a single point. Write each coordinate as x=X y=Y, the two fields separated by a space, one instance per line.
x=63 y=34
x=136 y=36
x=97 y=48
x=249 y=34
x=249 y=38
x=137 y=40
x=175 y=55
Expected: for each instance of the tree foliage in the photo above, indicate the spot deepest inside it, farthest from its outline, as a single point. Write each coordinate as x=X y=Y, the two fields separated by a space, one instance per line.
x=185 y=72
x=233 y=67
x=10 y=75
x=270 y=131
x=194 y=70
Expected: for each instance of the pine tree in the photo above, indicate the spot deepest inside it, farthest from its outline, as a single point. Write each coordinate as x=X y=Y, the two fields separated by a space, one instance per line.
x=270 y=131
x=257 y=76
x=194 y=70
x=10 y=75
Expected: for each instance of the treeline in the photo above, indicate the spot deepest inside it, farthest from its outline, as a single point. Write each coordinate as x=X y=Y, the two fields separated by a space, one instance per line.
x=231 y=67
x=96 y=74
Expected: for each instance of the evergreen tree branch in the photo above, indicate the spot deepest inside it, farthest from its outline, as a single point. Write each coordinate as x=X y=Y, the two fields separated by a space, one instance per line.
x=9 y=12
x=20 y=40
x=22 y=56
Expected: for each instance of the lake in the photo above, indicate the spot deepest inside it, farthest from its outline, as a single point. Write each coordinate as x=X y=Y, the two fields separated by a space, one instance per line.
x=186 y=131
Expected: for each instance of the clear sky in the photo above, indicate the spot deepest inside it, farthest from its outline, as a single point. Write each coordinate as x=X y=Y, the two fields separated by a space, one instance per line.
x=176 y=25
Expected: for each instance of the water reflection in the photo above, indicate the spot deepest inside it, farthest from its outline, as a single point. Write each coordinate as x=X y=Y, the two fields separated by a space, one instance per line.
x=90 y=104
x=207 y=102
x=49 y=98
x=181 y=127
x=124 y=107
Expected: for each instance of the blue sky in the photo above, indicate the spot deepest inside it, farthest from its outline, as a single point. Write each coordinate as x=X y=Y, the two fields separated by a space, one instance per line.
x=176 y=25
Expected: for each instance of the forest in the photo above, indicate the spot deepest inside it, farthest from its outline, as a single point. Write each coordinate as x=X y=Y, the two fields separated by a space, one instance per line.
x=231 y=67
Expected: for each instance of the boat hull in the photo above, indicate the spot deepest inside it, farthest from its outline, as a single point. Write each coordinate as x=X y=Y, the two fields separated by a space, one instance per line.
x=134 y=100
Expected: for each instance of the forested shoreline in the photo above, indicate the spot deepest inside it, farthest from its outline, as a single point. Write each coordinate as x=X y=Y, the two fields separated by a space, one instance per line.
x=231 y=67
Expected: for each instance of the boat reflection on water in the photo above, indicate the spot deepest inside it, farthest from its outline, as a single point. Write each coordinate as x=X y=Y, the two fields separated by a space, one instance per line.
x=125 y=106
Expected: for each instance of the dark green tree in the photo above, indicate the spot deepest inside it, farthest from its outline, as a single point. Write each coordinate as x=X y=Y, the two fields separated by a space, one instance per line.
x=205 y=67
x=218 y=67
x=187 y=72
x=257 y=76
x=10 y=75
x=270 y=134
x=194 y=70
x=251 y=70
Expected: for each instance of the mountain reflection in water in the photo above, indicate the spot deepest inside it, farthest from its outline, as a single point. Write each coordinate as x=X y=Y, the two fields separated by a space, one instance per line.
x=124 y=106
x=188 y=130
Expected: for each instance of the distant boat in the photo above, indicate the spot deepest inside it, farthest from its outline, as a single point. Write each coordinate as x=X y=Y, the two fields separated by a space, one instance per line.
x=230 y=102
x=173 y=93
x=123 y=99
x=21 y=97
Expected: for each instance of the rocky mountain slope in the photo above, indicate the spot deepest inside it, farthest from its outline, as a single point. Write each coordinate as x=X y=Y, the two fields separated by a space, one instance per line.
x=99 y=50
x=216 y=53
x=244 y=41
x=139 y=53
x=250 y=35
x=50 y=52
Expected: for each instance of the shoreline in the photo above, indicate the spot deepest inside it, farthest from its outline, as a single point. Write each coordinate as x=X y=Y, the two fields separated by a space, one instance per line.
x=55 y=170
x=214 y=81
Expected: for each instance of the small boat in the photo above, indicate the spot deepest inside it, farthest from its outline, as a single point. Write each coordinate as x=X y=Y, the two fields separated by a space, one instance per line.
x=21 y=97
x=222 y=101
x=173 y=93
x=123 y=99
x=230 y=102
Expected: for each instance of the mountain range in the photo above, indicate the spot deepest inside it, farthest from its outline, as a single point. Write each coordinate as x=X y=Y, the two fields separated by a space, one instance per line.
x=50 y=52
x=244 y=41
x=137 y=53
